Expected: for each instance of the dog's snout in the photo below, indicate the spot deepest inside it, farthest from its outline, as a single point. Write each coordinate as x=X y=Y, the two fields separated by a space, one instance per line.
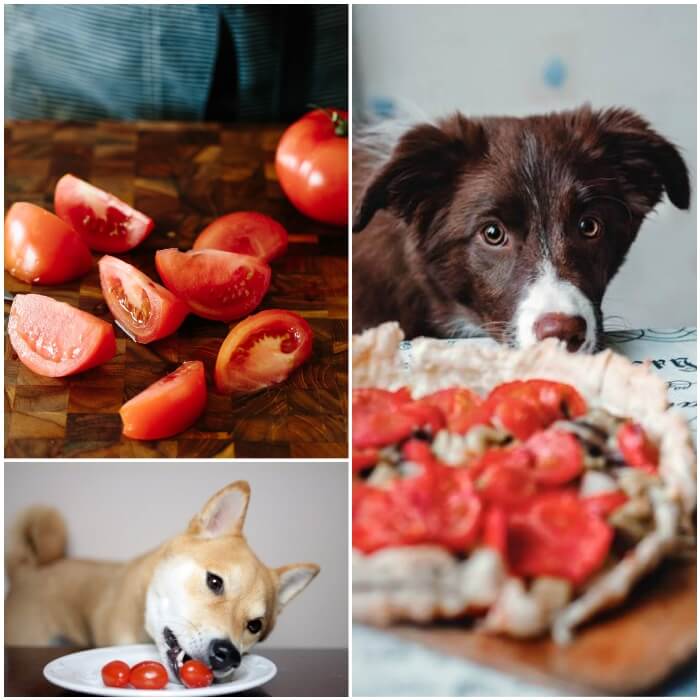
x=570 y=329
x=223 y=656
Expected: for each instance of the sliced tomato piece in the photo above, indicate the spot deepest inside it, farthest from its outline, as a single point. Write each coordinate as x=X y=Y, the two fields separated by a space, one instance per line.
x=557 y=535
x=42 y=249
x=636 y=447
x=262 y=350
x=382 y=417
x=603 y=504
x=247 y=233
x=217 y=285
x=504 y=477
x=459 y=509
x=456 y=405
x=558 y=457
x=144 y=310
x=104 y=221
x=362 y=459
x=373 y=524
x=494 y=532
x=168 y=406
x=55 y=339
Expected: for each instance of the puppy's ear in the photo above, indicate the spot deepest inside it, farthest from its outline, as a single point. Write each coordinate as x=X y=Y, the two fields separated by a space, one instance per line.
x=420 y=176
x=224 y=513
x=292 y=580
x=649 y=162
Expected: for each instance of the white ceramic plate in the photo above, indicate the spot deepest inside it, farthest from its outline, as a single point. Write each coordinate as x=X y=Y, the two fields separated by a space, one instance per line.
x=81 y=672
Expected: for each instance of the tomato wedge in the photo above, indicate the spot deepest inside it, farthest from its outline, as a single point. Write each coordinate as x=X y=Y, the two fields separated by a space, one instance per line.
x=558 y=457
x=504 y=477
x=605 y=503
x=41 y=248
x=247 y=233
x=143 y=309
x=382 y=417
x=457 y=406
x=557 y=535
x=104 y=221
x=217 y=285
x=636 y=447
x=55 y=339
x=168 y=406
x=262 y=350
x=362 y=459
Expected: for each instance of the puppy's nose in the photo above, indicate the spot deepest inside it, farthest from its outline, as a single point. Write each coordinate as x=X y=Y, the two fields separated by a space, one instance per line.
x=223 y=656
x=570 y=329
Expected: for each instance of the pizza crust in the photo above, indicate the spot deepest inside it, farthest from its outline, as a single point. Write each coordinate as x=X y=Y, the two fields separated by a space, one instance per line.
x=425 y=583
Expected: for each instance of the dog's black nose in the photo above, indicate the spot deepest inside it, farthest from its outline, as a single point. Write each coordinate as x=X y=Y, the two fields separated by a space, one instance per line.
x=223 y=656
x=570 y=329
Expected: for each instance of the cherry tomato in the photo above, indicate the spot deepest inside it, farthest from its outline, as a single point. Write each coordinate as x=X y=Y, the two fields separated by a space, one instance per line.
x=382 y=417
x=55 y=339
x=148 y=675
x=168 y=406
x=636 y=447
x=558 y=457
x=457 y=406
x=145 y=310
x=246 y=233
x=557 y=535
x=195 y=674
x=215 y=284
x=603 y=504
x=312 y=165
x=115 y=674
x=104 y=221
x=262 y=350
x=41 y=248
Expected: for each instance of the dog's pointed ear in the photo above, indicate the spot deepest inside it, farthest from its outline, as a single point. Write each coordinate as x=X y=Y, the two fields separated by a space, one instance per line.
x=292 y=580
x=421 y=174
x=649 y=162
x=224 y=513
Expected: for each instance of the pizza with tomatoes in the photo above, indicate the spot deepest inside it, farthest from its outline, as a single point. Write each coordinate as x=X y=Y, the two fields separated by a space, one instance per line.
x=527 y=489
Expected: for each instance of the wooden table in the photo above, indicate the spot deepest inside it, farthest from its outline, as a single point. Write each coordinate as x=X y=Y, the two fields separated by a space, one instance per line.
x=183 y=176
x=300 y=672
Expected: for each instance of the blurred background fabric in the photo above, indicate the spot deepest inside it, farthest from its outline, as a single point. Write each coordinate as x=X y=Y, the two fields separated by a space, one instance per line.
x=181 y=62
x=422 y=61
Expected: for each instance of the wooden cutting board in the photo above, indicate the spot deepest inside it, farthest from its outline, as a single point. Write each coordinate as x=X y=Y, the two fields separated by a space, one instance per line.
x=629 y=650
x=183 y=176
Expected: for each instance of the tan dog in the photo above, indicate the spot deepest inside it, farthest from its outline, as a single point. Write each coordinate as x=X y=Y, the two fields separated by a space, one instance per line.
x=203 y=594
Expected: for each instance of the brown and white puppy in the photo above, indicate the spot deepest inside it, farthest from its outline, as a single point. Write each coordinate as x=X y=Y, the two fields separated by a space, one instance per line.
x=203 y=594
x=503 y=225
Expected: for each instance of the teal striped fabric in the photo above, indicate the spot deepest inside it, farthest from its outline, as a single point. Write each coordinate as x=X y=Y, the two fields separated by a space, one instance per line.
x=146 y=61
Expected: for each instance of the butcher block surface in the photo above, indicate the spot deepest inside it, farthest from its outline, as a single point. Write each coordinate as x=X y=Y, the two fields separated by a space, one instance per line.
x=628 y=650
x=183 y=176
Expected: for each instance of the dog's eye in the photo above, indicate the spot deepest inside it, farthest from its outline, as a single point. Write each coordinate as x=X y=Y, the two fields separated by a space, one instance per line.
x=215 y=583
x=493 y=234
x=589 y=227
x=254 y=626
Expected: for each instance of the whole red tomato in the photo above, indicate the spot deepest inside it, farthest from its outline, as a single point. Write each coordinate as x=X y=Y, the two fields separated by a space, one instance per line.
x=312 y=165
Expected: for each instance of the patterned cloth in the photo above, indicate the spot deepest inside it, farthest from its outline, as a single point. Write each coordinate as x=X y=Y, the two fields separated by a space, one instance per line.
x=88 y=62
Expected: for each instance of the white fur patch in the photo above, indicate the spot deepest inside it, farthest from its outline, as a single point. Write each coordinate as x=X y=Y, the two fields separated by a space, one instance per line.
x=551 y=294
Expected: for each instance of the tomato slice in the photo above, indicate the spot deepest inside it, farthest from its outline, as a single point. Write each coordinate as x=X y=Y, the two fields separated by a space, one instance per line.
x=456 y=405
x=558 y=457
x=362 y=459
x=143 y=309
x=40 y=248
x=382 y=417
x=55 y=339
x=246 y=233
x=636 y=447
x=217 y=285
x=148 y=675
x=605 y=503
x=262 y=350
x=105 y=222
x=459 y=510
x=495 y=530
x=115 y=674
x=504 y=477
x=557 y=535
x=168 y=406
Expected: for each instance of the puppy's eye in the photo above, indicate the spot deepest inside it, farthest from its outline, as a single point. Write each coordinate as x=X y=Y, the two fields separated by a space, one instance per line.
x=589 y=227
x=254 y=626
x=493 y=234
x=215 y=583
